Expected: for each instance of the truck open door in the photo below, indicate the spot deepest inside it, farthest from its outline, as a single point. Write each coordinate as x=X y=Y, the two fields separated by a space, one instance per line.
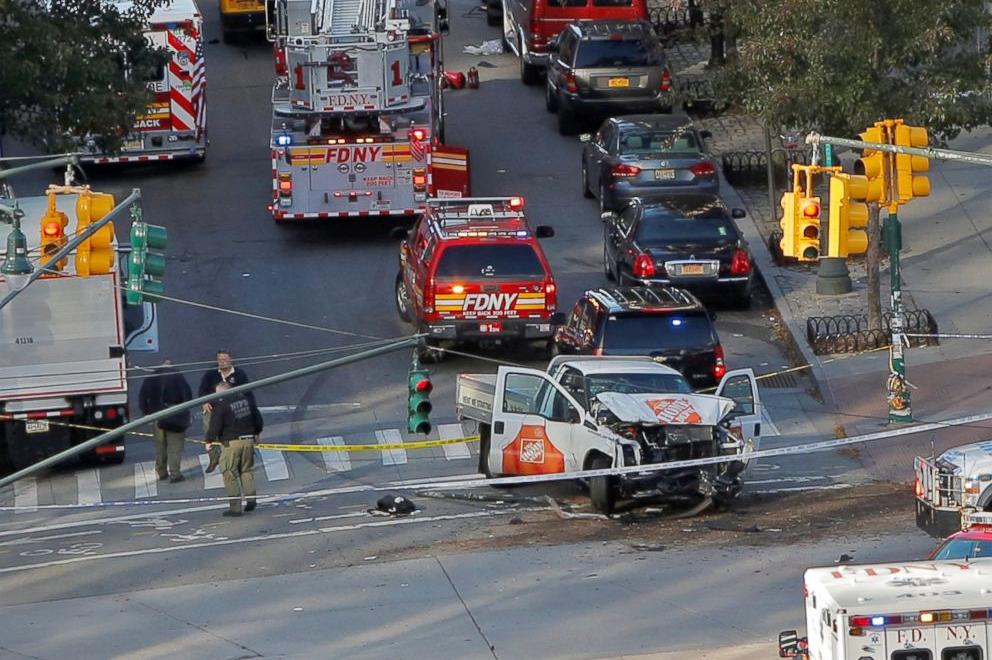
x=533 y=421
x=741 y=386
x=450 y=172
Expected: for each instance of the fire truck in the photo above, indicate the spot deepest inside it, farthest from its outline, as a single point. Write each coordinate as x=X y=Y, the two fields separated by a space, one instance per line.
x=357 y=110
x=64 y=340
x=175 y=124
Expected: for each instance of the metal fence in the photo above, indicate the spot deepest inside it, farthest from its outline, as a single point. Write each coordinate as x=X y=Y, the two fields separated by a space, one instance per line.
x=849 y=333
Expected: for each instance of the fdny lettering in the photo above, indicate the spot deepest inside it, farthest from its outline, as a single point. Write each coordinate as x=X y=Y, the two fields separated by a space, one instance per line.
x=489 y=302
x=913 y=636
x=357 y=100
x=956 y=632
x=352 y=154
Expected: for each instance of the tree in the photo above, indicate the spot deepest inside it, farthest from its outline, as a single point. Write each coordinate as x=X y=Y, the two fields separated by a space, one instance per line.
x=71 y=68
x=838 y=66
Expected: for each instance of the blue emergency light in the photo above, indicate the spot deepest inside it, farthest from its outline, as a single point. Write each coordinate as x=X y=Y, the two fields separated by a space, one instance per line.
x=284 y=139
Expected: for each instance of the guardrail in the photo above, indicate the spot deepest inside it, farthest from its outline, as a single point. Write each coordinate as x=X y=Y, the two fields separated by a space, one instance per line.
x=849 y=333
x=751 y=166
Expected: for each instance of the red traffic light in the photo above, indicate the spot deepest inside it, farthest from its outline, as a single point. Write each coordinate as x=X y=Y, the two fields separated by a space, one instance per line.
x=424 y=385
x=53 y=228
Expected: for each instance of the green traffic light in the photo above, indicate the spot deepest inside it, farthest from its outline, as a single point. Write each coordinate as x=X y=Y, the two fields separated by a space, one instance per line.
x=418 y=401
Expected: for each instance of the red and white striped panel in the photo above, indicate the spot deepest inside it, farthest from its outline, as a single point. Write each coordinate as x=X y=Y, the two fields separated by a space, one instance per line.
x=181 y=80
x=321 y=215
x=38 y=414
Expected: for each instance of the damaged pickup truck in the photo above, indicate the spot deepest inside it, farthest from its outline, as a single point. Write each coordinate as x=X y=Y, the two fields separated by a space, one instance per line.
x=590 y=413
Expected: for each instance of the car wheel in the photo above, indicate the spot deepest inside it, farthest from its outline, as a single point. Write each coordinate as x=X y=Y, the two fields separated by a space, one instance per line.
x=585 y=181
x=485 y=441
x=494 y=16
x=607 y=270
x=602 y=490
x=402 y=299
x=550 y=100
x=529 y=73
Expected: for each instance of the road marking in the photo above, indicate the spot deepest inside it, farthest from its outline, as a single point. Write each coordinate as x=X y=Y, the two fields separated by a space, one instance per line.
x=768 y=428
x=213 y=480
x=450 y=432
x=39 y=539
x=334 y=461
x=274 y=464
x=88 y=487
x=391 y=522
x=391 y=456
x=145 y=480
x=26 y=494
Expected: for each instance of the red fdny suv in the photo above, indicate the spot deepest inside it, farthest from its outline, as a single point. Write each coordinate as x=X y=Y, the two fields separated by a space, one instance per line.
x=471 y=270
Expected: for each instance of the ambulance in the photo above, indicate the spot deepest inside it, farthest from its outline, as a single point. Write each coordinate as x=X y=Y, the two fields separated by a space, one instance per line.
x=925 y=610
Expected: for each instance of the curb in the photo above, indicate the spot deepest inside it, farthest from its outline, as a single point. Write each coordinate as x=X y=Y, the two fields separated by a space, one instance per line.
x=766 y=268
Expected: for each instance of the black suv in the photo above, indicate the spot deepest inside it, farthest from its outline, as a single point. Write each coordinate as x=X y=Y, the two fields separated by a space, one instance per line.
x=668 y=324
x=600 y=69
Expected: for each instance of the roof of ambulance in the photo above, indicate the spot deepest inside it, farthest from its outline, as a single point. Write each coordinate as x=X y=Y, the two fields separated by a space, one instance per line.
x=893 y=588
x=173 y=12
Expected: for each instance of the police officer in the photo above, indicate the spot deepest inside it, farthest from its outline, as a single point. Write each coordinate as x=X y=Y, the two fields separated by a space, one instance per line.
x=235 y=422
x=166 y=387
x=225 y=372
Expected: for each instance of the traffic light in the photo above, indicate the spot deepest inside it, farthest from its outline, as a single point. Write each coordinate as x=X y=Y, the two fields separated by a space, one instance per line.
x=95 y=255
x=849 y=214
x=53 y=239
x=871 y=165
x=146 y=265
x=908 y=184
x=419 y=402
x=790 y=220
x=808 y=229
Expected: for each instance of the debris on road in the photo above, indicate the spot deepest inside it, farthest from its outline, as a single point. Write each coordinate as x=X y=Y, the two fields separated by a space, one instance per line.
x=393 y=505
x=490 y=47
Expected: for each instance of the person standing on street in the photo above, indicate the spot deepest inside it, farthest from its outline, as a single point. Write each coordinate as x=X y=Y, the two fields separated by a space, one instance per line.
x=225 y=372
x=166 y=387
x=236 y=423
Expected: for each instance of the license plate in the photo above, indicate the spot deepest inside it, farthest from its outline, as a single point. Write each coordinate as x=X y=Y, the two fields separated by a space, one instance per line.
x=692 y=269
x=37 y=426
x=619 y=82
x=664 y=175
x=490 y=328
x=134 y=145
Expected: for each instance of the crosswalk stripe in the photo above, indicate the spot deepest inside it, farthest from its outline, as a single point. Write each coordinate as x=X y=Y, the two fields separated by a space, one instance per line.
x=274 y=464
x=450 y=432
x=26 y=495
x=214 y=479
x=391 y=456
x=768 y=428
x=88 y=487
x=145 y=480
x=334 y=461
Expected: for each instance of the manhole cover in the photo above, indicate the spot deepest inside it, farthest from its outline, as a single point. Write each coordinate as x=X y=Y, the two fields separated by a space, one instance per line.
x=780 y=380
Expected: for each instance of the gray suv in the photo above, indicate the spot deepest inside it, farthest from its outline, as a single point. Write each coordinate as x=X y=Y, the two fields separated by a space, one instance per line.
x=604 y=68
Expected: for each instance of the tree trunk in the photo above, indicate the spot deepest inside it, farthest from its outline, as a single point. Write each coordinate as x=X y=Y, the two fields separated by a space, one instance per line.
x=872 y=259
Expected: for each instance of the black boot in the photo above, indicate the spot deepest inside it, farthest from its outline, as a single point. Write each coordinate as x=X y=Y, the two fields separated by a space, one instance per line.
x=250 y=504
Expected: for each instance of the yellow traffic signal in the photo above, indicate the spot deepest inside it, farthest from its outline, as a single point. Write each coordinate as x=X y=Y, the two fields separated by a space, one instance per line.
x=789 y=223
x=908 y=184
x=808 y=230
x=849 y=214
x=871 y=165
x=53 y=239
x=95 y=256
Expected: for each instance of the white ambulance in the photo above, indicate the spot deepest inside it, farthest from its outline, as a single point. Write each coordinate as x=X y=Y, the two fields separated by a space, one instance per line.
x=926 y=610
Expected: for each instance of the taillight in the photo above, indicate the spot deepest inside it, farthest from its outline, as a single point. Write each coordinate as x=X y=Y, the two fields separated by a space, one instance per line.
x=666 y=80
x=429 y=292
x=625 y=171
x=918 y=488
x=418 y=134
x=420 y=179
x=285 y=184
x=644 y=266
x=719 y=367
x=704 y=168
x=570 y=84
x=740 y=263
x=550 y=295
x=298 y=74
x=515 y=203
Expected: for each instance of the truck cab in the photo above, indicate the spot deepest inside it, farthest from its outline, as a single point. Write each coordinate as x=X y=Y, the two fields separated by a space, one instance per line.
x=952 y=485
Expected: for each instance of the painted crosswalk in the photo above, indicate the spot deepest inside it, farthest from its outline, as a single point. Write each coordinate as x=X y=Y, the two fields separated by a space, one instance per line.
x=145 y=480
x=450 y=432
x=26 y=494
x=391 y=456
x=334 y=461
x=274 y=464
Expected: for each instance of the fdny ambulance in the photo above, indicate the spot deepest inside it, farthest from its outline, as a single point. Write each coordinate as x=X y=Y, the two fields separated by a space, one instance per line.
x=358 y=117
x=926 y=610
x=175 y=125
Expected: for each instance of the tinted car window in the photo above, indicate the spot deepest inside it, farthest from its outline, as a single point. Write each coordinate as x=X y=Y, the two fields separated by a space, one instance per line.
x=665 y=230
x=616 y=52
x=490 y=261
x=612 y=3
x=636 y=383
x=657 y=331
x=658 y=142
x=964 y=548
x=566 y=3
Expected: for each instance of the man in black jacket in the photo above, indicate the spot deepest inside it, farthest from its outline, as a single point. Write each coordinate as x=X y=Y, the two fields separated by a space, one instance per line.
x=236 y=423
x=166 y=388
x=225 y=372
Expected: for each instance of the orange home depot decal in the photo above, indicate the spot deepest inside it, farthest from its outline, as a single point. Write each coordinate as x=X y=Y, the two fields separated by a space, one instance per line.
x=531 y=452
x=674 y=411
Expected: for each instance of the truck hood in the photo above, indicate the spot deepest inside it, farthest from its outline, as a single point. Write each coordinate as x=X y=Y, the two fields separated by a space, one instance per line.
x=691 y=409
x=969 y=460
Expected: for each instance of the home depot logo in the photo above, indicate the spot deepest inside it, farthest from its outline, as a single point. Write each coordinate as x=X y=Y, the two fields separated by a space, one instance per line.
x=674 y=411
x=531 y=451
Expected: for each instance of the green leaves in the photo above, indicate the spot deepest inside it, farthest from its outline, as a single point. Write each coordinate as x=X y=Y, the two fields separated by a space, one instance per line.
x=71 y=68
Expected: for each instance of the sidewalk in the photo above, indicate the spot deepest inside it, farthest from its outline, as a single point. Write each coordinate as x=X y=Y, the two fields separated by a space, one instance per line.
x=946 y=269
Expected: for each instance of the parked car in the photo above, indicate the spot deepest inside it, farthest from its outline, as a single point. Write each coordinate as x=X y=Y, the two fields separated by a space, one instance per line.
x=603 y=68
x=969 y=543
x=530 y=25
x=646 y=156
x=687 y=241
x=668 y=324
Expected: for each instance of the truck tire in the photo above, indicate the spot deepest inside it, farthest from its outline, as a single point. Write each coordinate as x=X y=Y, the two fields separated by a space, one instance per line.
x=602 y=490
x=485 y=439
x=402 y=299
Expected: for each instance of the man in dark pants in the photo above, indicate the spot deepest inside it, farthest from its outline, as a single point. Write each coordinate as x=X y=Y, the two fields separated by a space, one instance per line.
x=166 y=388
x=235 y=423
x=225 y=372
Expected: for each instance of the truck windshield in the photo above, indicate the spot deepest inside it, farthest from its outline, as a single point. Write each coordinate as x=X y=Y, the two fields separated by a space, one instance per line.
x=507 y=260
x=636 y=384
x=965 y=549
x=658 y=332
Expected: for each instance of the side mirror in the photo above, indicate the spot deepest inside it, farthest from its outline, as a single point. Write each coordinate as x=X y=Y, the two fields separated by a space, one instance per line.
x=585 y=137
x=706 y=134
x=738 y=213
x=544 y=231
x=608 y=216
x=399 y=233
x=558 y=318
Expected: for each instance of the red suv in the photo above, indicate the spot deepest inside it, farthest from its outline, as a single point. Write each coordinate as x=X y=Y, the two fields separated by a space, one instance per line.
x=471 y=270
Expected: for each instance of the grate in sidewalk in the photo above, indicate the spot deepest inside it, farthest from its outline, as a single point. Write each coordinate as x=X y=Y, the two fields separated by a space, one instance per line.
x=781 y=381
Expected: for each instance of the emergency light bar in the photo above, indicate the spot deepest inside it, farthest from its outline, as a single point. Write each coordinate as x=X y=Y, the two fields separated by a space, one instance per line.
x=969 y=518
x=858 y=623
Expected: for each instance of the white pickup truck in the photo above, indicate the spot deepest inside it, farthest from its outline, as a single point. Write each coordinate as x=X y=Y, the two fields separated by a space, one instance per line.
x=952 y=485
x=587 y=413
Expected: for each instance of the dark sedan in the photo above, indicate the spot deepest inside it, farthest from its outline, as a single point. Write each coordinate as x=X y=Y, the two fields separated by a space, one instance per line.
x=648 y=157
x=688 y=241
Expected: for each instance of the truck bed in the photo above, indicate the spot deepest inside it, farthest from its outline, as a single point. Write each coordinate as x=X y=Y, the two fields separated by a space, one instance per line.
x=474 y=394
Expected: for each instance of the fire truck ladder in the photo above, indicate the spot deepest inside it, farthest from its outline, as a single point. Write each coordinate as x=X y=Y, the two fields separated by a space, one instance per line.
x=344 y=18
